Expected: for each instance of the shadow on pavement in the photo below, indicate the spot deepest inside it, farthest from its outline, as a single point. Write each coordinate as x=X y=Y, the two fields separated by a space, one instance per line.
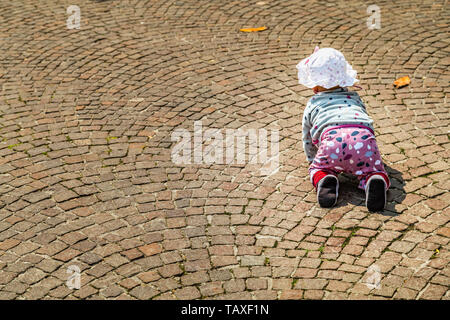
x=350 y=194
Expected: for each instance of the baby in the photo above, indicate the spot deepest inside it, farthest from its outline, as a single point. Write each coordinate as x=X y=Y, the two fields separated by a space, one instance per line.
x=338 y=134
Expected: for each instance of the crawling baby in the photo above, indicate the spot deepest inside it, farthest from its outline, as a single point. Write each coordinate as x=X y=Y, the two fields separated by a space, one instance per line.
x=338 y=133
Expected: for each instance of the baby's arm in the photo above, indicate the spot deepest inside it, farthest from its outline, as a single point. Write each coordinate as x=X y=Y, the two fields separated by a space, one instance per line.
x=308 y=147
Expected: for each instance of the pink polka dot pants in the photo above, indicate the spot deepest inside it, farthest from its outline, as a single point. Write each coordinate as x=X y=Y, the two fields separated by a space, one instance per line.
x=349 y=149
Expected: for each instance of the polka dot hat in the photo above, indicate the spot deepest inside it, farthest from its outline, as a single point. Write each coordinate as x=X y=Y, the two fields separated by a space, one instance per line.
x=327 y=68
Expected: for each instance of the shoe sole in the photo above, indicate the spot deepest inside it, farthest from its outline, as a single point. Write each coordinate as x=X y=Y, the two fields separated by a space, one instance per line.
x=376 y=195
x=327 y=192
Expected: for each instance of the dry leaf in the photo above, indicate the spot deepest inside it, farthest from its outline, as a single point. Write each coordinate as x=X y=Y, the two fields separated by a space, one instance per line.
x=403 y=81
x=253 y=29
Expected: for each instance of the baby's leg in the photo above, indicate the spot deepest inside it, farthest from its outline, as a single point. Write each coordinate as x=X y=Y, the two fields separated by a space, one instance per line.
x=324 y=178
x=370 y=163
x=373 y=178
x=364 y=178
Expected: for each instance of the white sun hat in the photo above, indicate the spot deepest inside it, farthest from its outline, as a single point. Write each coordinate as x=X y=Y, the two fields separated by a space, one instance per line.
x=327 y=68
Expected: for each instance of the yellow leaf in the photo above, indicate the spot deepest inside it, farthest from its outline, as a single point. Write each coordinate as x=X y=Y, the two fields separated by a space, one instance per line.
x=403 y=81
x=253 y=29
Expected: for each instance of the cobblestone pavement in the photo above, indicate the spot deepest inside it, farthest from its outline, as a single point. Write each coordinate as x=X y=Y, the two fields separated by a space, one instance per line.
x=86 y=117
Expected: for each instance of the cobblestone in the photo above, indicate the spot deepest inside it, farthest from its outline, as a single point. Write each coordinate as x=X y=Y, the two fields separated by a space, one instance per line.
x=86 y=118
